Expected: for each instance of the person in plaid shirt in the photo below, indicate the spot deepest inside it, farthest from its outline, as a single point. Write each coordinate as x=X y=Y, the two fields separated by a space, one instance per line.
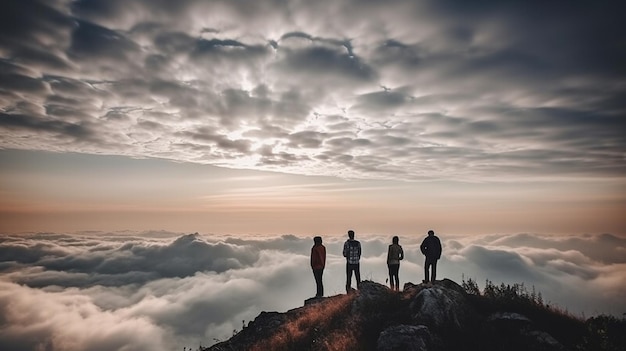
x=352 y=253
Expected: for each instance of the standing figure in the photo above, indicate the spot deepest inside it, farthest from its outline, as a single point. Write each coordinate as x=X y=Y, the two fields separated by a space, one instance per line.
x=352 y=253
x=318 y=262
x=394 y=255
x=431 y=248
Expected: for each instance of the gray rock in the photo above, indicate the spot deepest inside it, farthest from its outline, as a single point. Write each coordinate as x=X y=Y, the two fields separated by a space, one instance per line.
x=441 y=307
x=514 y=331
x=267 y=322
x=369 y=294
x=508 y=320
x=404 y=338
x=539 y=340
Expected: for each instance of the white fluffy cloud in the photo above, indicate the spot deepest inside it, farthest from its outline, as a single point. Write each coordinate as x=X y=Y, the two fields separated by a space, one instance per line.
x=107 y=292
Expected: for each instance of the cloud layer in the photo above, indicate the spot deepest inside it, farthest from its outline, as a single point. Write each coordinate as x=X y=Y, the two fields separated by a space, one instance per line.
x=400 y=90
x=160 y=291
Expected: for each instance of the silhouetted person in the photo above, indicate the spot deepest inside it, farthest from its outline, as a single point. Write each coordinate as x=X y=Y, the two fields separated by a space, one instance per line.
x=431 y=248
x=318 y=262
x=352 y=253
x=394 y=255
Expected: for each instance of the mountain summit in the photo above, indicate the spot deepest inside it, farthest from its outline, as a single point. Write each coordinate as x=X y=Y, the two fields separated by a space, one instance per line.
x=438 y=317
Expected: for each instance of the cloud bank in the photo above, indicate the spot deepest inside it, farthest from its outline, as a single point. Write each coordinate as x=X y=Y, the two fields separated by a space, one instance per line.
x=160 y=291
x=396 y=90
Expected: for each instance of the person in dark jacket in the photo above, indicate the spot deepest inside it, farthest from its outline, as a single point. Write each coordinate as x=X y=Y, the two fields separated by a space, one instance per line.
x=318 y=262
x=431 y=248
x=352 y=253
x=394 y=255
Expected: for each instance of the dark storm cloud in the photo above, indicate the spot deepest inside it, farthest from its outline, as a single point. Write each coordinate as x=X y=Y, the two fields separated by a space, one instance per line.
x=173 y=42
x=90 y=41
x=512 y=89
x=332 y=58
x=204 y=135
x=383 y=100
x=20 y=83
x=35 y=32
x=56 y=127
x=228 y=49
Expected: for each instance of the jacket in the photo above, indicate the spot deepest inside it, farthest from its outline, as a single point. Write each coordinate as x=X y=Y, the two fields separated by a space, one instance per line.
x=318 y=257
x=431 y=247
x=395 y=254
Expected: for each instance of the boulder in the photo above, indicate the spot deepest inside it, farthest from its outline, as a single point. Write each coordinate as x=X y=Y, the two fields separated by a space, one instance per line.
x=442 y=307
x=542 y=341
x=404 y=338
x=369 y=294
x=514 y=331
x=502 y=321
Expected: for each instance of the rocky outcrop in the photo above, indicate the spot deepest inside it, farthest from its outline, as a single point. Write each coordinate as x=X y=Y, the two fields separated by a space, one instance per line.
x=263 y=326
x=369 y=294
x=443 y=307
x=404 y=338
x=433 y=317
x=513 y=331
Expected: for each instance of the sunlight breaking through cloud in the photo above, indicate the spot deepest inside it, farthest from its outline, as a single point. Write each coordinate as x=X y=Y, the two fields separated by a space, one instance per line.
x=404 y=90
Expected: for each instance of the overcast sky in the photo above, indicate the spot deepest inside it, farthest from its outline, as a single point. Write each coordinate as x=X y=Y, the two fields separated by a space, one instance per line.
x=125 y=124
x=281 y=117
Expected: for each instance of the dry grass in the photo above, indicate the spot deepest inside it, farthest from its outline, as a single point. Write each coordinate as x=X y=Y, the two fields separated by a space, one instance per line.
x=341 y=340
x=309 y=326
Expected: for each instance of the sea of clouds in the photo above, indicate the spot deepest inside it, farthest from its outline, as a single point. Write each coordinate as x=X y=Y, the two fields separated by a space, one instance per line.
x=164 y=291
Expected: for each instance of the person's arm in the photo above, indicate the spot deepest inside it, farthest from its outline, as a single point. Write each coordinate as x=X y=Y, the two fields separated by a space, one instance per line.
x=345 y=249
x=359 y=246
x=323 y=249
x=439 y=247
x=401 y=253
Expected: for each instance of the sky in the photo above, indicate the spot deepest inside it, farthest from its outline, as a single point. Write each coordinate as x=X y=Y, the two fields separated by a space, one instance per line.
x=499 y=124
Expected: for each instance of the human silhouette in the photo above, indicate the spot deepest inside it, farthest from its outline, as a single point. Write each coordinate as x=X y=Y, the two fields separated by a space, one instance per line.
x=352 y=253
x=431 y=248
x=318 y=262
x=394 y=255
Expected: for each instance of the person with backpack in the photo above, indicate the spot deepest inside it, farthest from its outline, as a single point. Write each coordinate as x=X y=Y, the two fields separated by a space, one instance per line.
x=352 y=253
x=318 y=262
x=431 y=248
x=394 y=255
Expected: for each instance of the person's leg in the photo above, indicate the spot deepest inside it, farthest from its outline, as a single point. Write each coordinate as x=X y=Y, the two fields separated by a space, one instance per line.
x=390 y=268
x=426 y=271
x=318 y=282
x=434 y=275
x=348 y=277
x=396 y=269
x=357 y=275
